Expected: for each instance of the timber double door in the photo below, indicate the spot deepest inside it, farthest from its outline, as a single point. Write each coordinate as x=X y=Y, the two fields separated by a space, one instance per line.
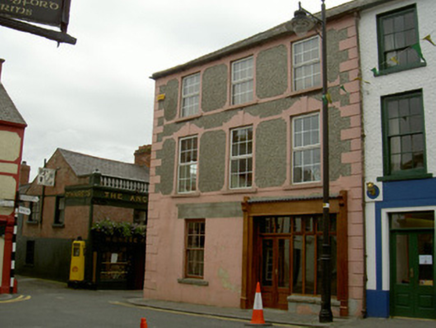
x=275 y=272
x=413 y=292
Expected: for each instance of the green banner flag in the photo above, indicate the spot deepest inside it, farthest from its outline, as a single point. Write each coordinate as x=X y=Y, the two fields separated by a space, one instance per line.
x=428 y=38
x=417 y=48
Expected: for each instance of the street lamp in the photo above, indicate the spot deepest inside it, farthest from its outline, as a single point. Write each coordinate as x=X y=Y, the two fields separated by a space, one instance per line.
x=303 y=22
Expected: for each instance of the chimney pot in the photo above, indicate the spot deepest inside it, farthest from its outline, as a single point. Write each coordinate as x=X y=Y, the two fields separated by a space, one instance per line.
x=24 y=173
x=143 y=155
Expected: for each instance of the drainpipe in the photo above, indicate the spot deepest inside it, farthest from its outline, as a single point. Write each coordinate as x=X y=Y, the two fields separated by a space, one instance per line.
x=365 y=275
x=41 y=208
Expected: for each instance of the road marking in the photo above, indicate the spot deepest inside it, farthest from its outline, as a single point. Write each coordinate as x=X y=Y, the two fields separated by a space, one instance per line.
x=210 y=316
x=20 y=298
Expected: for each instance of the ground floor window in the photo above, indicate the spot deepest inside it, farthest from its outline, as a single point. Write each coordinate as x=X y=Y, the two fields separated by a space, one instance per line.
x=30 y=252
x=295 y=260
x=115 y=265
x=194 y=252
x=282 y=246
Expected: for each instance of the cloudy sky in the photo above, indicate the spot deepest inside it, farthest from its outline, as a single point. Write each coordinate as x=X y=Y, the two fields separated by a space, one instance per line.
x=96 y=97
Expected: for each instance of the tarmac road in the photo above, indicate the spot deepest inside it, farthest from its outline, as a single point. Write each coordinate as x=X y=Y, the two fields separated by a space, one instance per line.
x=46 y=304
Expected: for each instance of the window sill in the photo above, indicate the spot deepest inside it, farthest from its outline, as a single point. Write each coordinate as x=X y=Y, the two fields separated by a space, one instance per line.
x=32 y=222
x=310 y=300
x=416 y=176
x=58 y=225
x=392 y=70
x=307 y=185
x=188 y=118
x=192 y=281
x=303 y=91
x=241 y=106
x=186 y=195
x=240 y=191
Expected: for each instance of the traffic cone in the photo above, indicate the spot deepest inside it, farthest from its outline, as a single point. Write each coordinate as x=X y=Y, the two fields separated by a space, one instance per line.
x=143 y=323
x=257 y=319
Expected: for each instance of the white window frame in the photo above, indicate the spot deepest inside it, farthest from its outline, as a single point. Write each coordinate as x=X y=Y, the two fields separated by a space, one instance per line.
x=242 y=160
x=306 y=148
x=308 y=80
x=188 y=160
x=195 y=241
x=190 y=95
x=242 y=81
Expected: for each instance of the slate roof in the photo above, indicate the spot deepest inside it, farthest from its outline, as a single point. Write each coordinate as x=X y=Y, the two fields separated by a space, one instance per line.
x=8 y=111
x=84 y=165
x=271 y=34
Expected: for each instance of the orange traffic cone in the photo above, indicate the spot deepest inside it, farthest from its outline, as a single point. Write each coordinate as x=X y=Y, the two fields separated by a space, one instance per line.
x=257 y=319
x=143 y=323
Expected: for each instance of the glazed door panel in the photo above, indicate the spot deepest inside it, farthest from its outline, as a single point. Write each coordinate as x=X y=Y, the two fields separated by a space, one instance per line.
x=275 y=266
x=412 y=279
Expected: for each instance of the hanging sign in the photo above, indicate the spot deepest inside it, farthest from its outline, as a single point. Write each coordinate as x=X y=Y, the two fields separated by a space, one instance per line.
x=38 y=11
x=15 y=13
x=24 y=210
x=29 y=198
x=46 y=177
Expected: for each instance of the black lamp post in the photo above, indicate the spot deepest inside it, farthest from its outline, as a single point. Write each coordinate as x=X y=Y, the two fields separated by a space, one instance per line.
x=302 y=22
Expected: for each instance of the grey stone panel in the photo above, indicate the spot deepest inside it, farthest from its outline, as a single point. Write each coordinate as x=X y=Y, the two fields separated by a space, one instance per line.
x=212 y=161
x=335 y=56
x=170 y=103
x=160 y=121
x=270 y=155
x=272 y=72
x=170 y=129
x=214 y=88
x=210 y=210
x=271 y=108
x=216 y=120
x=166 y=170
x=337 y=146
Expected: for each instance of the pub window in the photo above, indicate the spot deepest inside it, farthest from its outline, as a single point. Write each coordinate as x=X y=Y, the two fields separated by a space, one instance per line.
x=60 y=211
x=140 y=217
x=35 y=210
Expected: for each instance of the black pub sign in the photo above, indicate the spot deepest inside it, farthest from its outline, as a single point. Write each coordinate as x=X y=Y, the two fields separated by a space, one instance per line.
x=48 y=12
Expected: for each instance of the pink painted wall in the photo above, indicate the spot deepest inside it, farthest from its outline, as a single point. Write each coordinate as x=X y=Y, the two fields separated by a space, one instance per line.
x=165 y=234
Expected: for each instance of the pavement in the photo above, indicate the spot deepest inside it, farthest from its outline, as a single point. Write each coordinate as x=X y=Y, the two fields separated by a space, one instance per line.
x=283 y=318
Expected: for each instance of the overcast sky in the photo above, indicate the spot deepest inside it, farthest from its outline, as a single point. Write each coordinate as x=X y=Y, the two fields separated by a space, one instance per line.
x=96 y=97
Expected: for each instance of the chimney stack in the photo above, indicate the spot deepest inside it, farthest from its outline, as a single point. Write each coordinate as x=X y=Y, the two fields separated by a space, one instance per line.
x=1 y=66
x=24 y=173
x=143 y=155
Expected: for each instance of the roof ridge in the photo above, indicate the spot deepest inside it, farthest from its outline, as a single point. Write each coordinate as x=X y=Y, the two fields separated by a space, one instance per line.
x=95 y=157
